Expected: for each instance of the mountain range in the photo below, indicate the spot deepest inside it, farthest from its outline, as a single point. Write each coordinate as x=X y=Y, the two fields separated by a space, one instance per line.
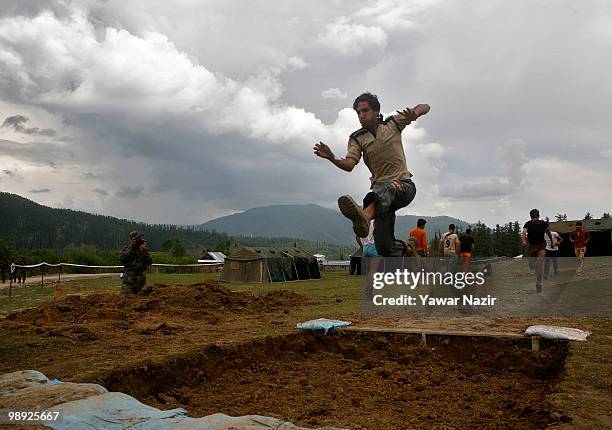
x=28 y=225
x=313 y=222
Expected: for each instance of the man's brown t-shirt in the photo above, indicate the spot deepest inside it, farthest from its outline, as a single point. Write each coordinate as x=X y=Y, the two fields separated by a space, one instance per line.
x=383 y=154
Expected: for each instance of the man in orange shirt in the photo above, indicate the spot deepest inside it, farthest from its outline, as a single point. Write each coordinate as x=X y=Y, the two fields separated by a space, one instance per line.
x=579 y=238
x=421 y=236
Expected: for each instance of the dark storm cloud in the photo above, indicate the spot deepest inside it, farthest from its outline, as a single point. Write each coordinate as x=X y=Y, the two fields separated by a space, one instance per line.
x=12 y=173
x=32 y=8
x=50 y=154
x=100 y=192
x=150 y=121
x=16 y=122
x=128 y=192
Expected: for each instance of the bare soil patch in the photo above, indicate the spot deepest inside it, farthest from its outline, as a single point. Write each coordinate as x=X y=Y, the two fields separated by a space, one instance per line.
x=81 y=338
x=355 y=380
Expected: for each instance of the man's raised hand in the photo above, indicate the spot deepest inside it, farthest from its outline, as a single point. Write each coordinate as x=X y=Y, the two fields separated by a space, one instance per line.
x=323 y=151
x=408 y=113
x=415 y=112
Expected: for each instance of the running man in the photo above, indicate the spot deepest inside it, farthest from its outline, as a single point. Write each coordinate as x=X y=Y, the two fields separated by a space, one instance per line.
x=533 y=231
x=379 y=142
x=580 y=238
x=552 y=252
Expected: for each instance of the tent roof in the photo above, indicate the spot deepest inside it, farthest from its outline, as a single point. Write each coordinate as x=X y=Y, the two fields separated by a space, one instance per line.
x=248 y=253
x=296 y=252
x=589 y=224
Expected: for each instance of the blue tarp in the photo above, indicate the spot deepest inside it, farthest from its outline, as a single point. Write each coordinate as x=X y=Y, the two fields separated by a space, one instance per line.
x=322 y=324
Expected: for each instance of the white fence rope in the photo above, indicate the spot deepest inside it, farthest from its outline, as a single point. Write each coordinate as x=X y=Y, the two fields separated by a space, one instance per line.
x=32 y=266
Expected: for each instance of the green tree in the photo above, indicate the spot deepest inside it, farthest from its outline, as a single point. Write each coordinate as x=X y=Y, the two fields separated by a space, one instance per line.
x=588 y=215
x=5 y=253
x=166 y=245
x=606 y=215
x=224 y=246
x=561 y=217
x=178 y=250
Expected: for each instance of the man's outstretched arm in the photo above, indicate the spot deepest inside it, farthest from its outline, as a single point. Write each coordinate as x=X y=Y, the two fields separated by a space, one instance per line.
x=406 y=116
x=323 y=151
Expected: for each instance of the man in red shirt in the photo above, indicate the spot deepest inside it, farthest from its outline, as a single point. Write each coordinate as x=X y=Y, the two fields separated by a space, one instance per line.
x=421 y=236
x=580 y=238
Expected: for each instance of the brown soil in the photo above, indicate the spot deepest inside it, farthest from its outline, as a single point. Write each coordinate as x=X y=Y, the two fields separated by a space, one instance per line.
x=81 y=338
x=359 y=381
x=209 y=350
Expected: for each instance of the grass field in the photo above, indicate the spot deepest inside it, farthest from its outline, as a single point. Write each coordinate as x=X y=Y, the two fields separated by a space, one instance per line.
x=585 y=393
x=337 y=293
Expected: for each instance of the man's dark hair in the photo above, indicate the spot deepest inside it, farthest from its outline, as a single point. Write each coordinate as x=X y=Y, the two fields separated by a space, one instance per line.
x=421 y=222
x=468 y=231
x=372 y=100
x=451 y=226
x=534 y=213
x=578 y=222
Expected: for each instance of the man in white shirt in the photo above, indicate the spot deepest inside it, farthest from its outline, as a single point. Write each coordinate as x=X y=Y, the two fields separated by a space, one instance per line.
x=552 y=252
x=450 y=242
x=449 y=245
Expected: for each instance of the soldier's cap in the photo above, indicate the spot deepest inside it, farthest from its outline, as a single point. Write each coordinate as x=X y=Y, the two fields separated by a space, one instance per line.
x=134 y=235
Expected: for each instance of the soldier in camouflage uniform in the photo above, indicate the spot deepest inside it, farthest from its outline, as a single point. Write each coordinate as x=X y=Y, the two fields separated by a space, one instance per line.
x=135 y=259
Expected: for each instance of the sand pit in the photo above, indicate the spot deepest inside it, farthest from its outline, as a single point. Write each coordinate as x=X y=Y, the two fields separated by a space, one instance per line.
x=353 y=380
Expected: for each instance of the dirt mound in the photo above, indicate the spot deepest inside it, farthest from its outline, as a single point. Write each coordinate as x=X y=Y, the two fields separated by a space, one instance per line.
x=208 y=301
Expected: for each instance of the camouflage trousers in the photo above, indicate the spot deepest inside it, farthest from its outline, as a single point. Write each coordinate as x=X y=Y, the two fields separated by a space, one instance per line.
x=133 y=282
x=389 y=200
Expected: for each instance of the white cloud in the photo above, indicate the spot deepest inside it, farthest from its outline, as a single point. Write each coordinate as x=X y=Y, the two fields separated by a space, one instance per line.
x=296 y=63
x=350 y=39
x=131 y=75
x=333 y=93
x=396 y=14
x=431 y=150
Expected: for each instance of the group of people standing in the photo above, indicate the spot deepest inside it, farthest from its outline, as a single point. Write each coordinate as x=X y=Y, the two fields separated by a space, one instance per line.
x=451 y=245
x=15 y=272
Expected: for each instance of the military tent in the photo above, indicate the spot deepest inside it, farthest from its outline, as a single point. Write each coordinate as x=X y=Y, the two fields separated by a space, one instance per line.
x=305 y=265
x=257 y=264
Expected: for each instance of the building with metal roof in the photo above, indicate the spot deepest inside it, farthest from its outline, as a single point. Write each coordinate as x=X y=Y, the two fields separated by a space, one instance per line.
x=601 y=236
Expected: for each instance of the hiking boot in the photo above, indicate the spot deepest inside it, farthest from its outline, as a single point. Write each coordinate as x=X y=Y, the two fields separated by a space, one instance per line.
x=353 y=211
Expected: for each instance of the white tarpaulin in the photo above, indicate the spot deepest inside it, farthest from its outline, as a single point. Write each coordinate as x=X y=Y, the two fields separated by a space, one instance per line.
x=554 y=332
x=91 y=406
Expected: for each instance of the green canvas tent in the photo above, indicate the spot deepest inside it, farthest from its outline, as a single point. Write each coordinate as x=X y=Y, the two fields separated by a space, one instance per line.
x=258 y=264
x=305 y=265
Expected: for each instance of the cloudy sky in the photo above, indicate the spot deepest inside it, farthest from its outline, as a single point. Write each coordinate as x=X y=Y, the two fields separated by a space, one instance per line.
x=183 y=111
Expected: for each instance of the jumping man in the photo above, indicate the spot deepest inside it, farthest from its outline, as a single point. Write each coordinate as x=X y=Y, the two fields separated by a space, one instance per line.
x=380 y=143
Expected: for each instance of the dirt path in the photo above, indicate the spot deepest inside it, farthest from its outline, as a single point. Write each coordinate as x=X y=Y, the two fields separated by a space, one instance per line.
x=52 y=278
